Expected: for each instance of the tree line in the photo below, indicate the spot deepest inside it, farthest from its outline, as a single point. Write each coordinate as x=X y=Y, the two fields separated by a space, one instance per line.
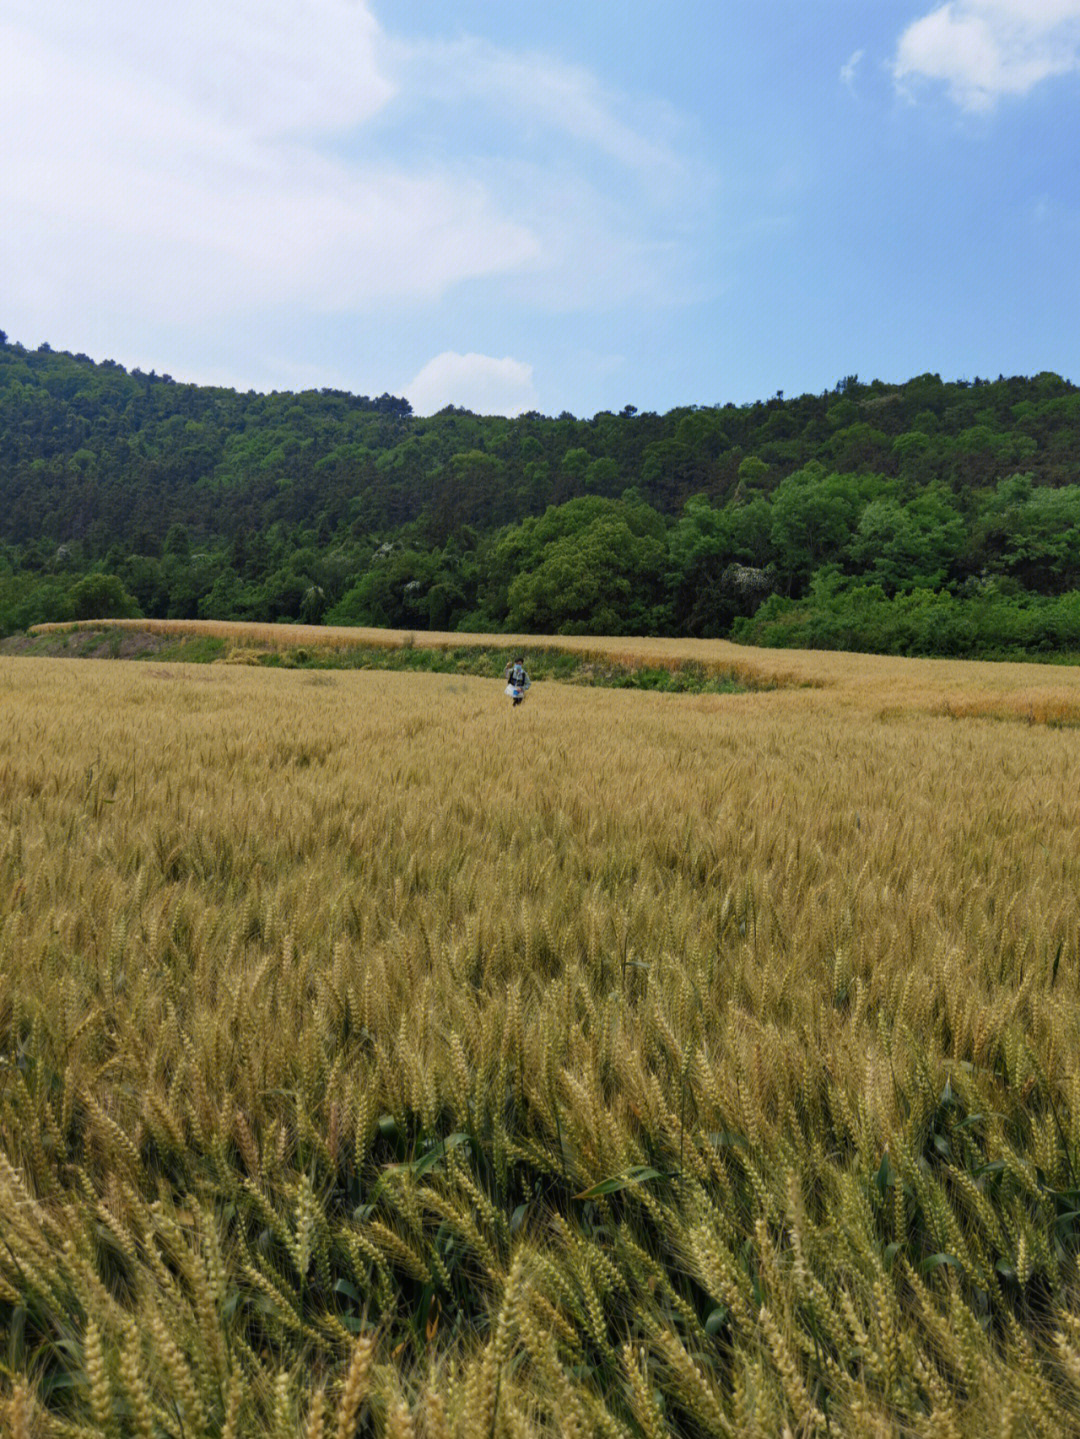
x=922 y=517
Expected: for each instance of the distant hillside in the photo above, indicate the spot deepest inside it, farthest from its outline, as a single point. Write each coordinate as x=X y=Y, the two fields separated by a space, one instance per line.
x=127 y=491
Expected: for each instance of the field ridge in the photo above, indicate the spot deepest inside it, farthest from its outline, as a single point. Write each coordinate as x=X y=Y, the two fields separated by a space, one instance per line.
x=883 y=685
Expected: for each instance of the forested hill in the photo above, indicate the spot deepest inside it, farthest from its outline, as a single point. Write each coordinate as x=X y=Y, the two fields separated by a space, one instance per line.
x=817 y=519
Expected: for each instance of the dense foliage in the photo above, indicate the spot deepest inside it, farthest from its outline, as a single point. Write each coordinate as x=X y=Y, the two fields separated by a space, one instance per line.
x=918 y=517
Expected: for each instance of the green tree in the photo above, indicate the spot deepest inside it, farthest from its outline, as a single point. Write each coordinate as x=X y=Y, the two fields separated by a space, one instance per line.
x=602 y=476
x=813 y=516
x=606 y=578
x=178 y=543
x=908 y=546
x=99 y=597
x=575 y=462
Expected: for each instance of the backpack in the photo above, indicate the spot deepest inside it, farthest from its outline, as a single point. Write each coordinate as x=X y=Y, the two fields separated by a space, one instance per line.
x=517 y=676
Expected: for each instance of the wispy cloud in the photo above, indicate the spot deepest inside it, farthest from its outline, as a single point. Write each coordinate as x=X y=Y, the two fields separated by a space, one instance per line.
x=984 y=50
x=481 y=383
x=847 y=72
x=538 y=90
x=603 y=181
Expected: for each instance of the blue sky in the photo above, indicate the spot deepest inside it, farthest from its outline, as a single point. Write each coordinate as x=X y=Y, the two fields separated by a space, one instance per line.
x=551 y=207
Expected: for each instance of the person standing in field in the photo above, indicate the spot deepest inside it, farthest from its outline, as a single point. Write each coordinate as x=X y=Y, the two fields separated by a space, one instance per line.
x=517 y=679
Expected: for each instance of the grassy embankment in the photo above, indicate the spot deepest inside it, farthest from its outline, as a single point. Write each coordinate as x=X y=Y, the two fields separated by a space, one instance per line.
x=881 y=684
x=317 y=647
x=377 y=1060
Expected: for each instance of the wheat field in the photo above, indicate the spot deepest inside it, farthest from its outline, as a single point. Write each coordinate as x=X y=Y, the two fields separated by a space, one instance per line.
x=379 y=1060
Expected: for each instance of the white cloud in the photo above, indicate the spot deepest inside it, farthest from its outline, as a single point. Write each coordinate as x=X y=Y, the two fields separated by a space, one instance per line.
x=190 y=170
x=982 y=50
x=847 y=72
x=480 y=383
x=174 y=168
x=263 y=67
